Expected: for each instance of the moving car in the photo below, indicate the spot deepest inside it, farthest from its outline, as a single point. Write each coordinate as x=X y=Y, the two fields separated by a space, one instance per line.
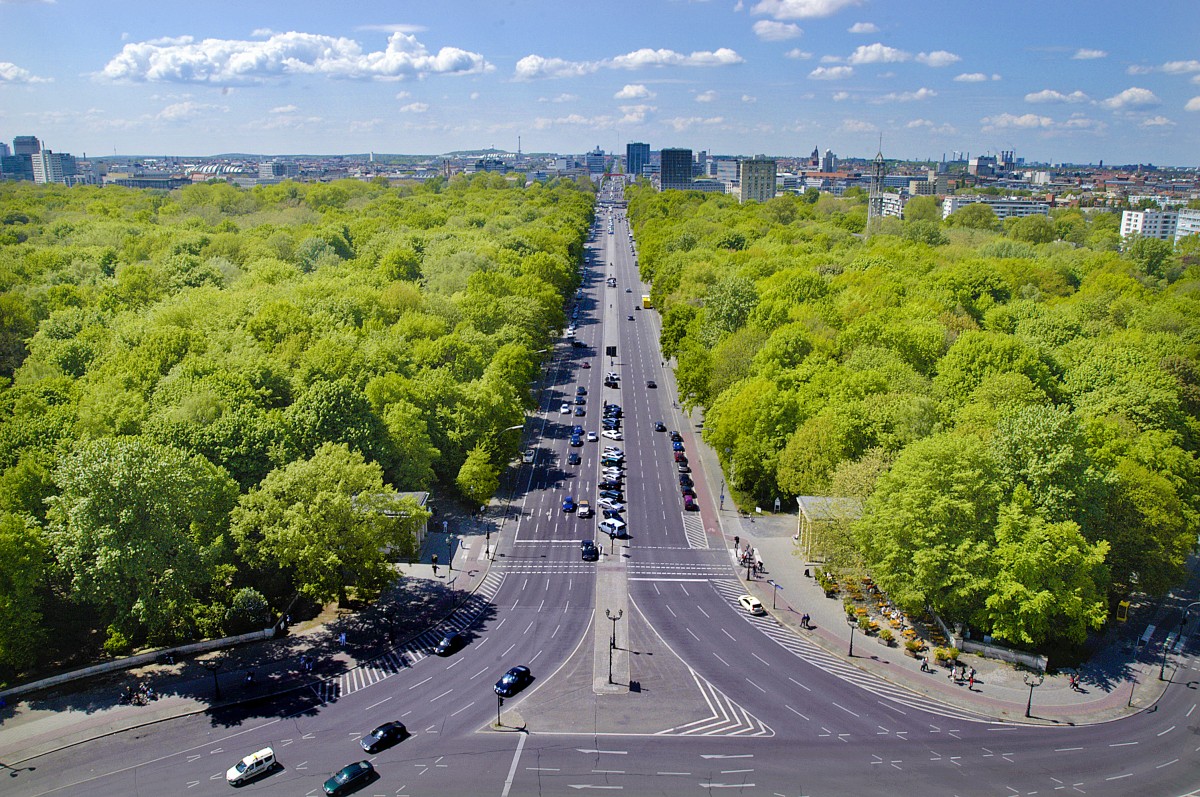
x=585 y=364
x=751 y=604
x=576 y=430
x=565 y=409
x=348 y=777
x=588 y=551
x=631 y=317
x=579 y=344
x=576 y=440
x=591 y=437
x=385 y=735
x=573 y=459
x=568 y=504
x=650 y=383
x=677 y=446
x=584 y=509
x=612 y=527
x=528 y=456
x=252 y=766
x=612 y=434
x=659 y=426
x=450 y=643
x=513 y=681
x=676 y=437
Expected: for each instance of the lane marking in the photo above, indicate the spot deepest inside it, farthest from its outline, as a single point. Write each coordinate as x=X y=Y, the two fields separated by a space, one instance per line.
x=512 y=770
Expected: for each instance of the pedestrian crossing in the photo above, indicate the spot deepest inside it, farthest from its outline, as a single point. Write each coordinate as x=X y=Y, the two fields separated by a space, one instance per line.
x=646 y=571
x=329 y=690
x=727 y=717
x=693 y=529
x=803 y=649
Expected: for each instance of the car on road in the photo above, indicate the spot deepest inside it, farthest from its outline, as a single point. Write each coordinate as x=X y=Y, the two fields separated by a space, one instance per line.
x=611 y=383
x=385 y=735
x=676 y=437
x=659 y=426
x=629 y=290
x=650 y=383
x=612 y=514
x=451 y=642
x=580 y=412
x=585 y=364
x=612 y=495
x=611 y=504
x=584 y=509
x=687 y=492
x=685 y=480
x=680 y=458
x=349 y=777
x=528 y=456
x=574 y=459
x=677 y=446
x=612 y=527
x=568 y=504
x=580 y=401
x=592 y=437
x=579 y=344
x=588 y=551
x=576 y=440
x=689 y=504
x=565 y=409
x=609 y=484
x=252 y=766
x=751 y=604
x=612 y=434
x=683 y=468
x=513 y=681
x=612 y=375
x=576 y=430
x=630 y=317
x=614 y=450
x=580 y=391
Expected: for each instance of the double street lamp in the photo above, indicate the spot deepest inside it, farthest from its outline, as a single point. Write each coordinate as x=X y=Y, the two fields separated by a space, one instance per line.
x=1033 y=680
x=214 y=667
x=612 y=642
x=853 y=623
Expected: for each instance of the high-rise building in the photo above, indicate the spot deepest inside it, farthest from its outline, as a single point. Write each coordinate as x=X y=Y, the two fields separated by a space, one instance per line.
x=1161 y=224
x=828 y=161
x=637 y=155
x=275 y=171
x=51 y=167
x=676 y=171
x=4 y=151
x=756 y=179
x=594 y=161
x=26 y=145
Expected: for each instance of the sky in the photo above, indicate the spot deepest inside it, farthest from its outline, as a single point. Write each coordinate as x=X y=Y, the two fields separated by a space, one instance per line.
x=1054 y=80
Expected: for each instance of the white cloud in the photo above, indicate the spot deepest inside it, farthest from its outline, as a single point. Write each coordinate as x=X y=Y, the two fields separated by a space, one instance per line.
x=1157 y=121
x=1138 y=69
x=927 y=125
x=938 y=58
x=1008 y=121
x=749 y=99
x=831 y=72
x=1052 y=96
x=877 y=54
x=474 y=95
x=533 y=67
x=260 y=33
x=706 y=96
x=971 y=77
x=1193 y=104
x=858 y=126
x=801 y=9
x=797 y=54
x=415 y=107
x=233 y=61
x=394 y=28
x=1131 y=99
x=1084 y=54
x=681 y=123
x=284 y=109
x=832 y=59
x=770 y=31
x=187 y=111
x=839 y=96
x=863 y=27
x=560 y=98
x=1181 y=67
x=11 y=73
x=633 y=91
x=635 y=114
x=908 y=96
x=1196 y=79
x=738 y=6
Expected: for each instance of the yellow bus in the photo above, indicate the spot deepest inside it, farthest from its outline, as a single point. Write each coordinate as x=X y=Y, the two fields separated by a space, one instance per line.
x=646 y=301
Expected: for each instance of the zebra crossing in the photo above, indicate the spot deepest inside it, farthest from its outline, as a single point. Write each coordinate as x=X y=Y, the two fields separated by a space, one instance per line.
x=329 y=690
x=727 y=717
x=805 y=650
x=651 y=571
x=693 y=529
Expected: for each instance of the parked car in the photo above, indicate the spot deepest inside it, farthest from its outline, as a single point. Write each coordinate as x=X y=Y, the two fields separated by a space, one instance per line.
x=612 y=527
x=685 y=480
x=568 y=504
x=585 y=364
x=751 y=604
x=609 y=484
x=584 y=508
x=451 y=642
x=612 y=460
x=683 y=468
x=385 y=735
x=687 y=491
x=349 y=777
x=612 y=434
x=630 y=315
x=528 y=456
x=677 y=446
x=659 y=426
x=580 y=390
x=252 y=766
x=689 y=504
x=676 y=437
x=579 y=344
x=573 y=459
x=609 y=503
x=513 y=681
x=592 y=437
x=615 y=495
x=612 y=514
x=580 y=412
x=580 y=401
x=588 y=551
x=680 y=458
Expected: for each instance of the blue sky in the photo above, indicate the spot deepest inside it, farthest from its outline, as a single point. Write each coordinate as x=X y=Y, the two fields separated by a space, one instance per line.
x=1055 y=80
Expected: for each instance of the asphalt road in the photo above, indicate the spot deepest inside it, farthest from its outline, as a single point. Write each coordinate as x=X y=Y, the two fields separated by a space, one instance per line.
x=721 y=701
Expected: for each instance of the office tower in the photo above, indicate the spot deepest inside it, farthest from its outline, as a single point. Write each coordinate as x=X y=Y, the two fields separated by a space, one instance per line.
x=26 y=145
x=48 y=167
x=756 y=179
x=4 y=151
x=594 y=161
x=676 y=172
x=637 y=155
x=829 y=161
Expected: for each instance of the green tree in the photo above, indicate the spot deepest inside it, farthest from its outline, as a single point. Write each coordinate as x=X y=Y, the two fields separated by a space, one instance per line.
x=976 y=216
x=329 y=521
x=923 y=208
x=138 y=528
x=248 y=611
x=1032 y=229
x=22 y=571
x=478 y=479
x=729 y=304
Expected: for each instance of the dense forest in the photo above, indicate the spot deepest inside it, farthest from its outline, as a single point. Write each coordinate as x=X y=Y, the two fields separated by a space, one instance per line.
x=1016 y=404
x=209 y=398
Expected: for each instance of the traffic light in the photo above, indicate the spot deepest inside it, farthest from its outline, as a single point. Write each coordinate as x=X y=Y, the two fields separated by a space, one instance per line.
x=610 y=351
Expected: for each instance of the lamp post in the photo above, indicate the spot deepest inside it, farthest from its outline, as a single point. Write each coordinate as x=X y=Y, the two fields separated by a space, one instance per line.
x=1033 y=681
x=853 y=623
x=1162 y=670
x=774 y=591
x=213 y=667
x=612 y=643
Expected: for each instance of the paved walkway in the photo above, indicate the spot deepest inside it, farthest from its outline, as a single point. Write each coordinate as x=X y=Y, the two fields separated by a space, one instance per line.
x=1118 y=680
x=87 y=710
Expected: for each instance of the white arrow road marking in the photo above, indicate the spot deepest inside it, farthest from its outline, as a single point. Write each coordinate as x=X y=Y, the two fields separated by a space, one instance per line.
x=726 y=785
x=602 y=752
x=742 y=755
x=216 y=750
x=192 y=758
x=590 y=786
x=192 y=783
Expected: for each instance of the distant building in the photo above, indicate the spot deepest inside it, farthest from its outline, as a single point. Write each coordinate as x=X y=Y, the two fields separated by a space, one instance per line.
x=594 y=161
x=26 y=145
x=828 y=161
x=983 y=166
x=1189 y=223
x=676 y=169
x=637 y=157
x=276 y=171
x=1160 y=224
x=4 y=151
x=922 y=187
x=756 y=179
x=708 y=186
x=49 y=167
x=892 y=204
x=1003 y=207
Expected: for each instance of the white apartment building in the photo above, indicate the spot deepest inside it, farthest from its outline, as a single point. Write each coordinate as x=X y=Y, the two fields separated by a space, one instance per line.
x=892 y=204
x=756 y=180
x=1188 y=224
x=1003 y=207
x=1160 y=224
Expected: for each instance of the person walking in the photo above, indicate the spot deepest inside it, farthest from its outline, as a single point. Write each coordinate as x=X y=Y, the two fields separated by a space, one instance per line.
x=804 y=621
x=342 y=639
x=971 y=681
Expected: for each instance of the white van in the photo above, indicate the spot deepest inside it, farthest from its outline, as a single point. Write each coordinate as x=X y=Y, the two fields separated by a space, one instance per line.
x=251 y=767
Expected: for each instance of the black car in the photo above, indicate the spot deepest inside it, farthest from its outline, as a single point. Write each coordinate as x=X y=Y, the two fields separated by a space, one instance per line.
x=687 y=491
x=630 y=318
x=659 y=426
x=588 y=551
x=685 y=480
x=609 y=484
x=579 y=344
x=385 y=735
x=612 y=514
x=676 y=437
x=573 y=459
x=580 y=400
x=611 y=383
x=513 y=681
x=581 y=391
x=349 y=777
x=615 y=495
x=650 y=383
x=450 y=643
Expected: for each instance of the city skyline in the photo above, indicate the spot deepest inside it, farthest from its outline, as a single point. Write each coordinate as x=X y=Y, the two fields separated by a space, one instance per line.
x=769 y=76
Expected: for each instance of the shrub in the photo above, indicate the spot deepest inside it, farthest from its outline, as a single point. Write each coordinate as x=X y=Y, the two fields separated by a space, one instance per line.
x=248 y=611
x=886 y=636
x=117 y=643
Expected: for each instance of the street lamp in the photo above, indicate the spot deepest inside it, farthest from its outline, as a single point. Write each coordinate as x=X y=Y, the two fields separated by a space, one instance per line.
x=612 y=643
x=853 y=623
x=1162 y=670
x=213 y=667
x=774 y=591
x=1033 y=680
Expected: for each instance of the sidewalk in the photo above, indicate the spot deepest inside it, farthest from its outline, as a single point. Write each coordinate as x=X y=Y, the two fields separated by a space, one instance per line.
x=87 y=710
x=1116 y=682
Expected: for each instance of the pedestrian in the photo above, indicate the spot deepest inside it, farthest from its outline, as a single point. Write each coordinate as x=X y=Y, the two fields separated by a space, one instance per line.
x=342 y=639
x=804 y=621
x=971 y=682
x=736 y=542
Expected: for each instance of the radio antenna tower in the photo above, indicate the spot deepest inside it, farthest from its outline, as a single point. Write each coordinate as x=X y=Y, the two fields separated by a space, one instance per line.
x=875 y=197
